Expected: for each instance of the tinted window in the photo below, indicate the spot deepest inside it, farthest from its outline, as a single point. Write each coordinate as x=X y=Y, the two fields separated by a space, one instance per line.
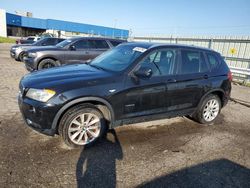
x=88 y=44
x=64 y=43
x=212 y=60
x=82 y=44
x=115 y=43
x=60 y=40
x=49 y=41
x=192 y=62
x=101 y=44
x=161 y=61
x=30 y=38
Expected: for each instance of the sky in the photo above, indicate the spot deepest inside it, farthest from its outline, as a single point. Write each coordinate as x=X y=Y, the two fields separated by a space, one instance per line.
x=147 y=17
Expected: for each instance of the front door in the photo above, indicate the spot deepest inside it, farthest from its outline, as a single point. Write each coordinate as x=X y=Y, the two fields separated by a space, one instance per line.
x=80 y=53
x=148 y=96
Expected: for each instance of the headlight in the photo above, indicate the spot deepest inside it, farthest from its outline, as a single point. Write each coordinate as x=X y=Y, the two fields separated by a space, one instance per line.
x=16 y=48
x=32 y=54
x=42 y=95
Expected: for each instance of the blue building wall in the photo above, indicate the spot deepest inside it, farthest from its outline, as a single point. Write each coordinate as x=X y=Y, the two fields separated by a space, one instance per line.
x=33 y=23
x=37 y=23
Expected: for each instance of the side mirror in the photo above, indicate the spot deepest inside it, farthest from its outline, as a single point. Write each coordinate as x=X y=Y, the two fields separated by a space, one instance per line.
x=143 y=72
x=72 y=47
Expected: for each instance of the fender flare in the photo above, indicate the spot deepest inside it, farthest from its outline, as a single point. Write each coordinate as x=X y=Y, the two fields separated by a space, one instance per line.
x=47 y=57
x=80 y=100
x=209 y=92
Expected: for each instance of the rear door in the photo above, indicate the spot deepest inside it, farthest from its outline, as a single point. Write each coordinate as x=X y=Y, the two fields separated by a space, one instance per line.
x=191 y=80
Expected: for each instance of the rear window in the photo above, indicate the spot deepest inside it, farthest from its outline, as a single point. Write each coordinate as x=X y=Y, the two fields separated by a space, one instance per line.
x=193 y=62
x=213 y=60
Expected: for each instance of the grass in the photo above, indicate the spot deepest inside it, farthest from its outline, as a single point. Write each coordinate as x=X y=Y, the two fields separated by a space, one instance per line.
x=7 y=40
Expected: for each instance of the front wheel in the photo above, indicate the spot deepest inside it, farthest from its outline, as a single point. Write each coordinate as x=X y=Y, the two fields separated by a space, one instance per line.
x=209 y=110
x=82 y=125
x=46 y=64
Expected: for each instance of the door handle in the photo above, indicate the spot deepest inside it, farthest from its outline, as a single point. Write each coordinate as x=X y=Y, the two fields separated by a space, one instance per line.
x=171 y=80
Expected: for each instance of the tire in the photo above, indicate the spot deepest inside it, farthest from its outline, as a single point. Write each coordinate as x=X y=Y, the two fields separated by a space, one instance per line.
x=208 y=110
x=47 y=63
x=71 y=125
x=21 y=56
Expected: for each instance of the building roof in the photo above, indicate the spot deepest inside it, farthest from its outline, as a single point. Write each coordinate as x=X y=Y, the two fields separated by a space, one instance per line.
x=37 y=23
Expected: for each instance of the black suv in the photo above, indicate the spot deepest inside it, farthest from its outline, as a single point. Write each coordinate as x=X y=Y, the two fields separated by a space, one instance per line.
x=71 y=51
x=133 y=82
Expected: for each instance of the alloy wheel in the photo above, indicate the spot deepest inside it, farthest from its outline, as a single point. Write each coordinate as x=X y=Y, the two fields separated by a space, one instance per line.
x=84 y=128
x=211 y=110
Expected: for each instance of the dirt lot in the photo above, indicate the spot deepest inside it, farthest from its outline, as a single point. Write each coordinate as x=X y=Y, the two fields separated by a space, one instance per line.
x=166 y=153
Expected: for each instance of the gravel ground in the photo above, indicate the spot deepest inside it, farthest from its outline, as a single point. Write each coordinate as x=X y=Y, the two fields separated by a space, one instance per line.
x=165 y=153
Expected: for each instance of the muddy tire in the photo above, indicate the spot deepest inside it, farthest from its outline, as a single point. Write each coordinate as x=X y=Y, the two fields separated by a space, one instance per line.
x=208 y=110
x=82 y=125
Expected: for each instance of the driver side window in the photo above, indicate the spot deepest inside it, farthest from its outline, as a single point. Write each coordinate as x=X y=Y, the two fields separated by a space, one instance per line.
x=81 y=44
x=161 y=61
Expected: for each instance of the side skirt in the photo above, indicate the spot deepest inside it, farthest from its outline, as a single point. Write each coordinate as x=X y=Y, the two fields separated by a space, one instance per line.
x=153 y=117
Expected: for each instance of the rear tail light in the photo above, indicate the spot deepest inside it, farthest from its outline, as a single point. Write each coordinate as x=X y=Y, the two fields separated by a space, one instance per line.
x=230 y=76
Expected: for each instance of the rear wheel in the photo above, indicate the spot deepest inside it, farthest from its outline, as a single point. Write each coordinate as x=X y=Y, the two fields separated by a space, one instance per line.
x=208 y=110
x=47 y=63
x=82 y=125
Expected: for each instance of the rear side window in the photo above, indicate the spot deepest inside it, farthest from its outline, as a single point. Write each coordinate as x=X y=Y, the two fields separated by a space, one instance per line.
x=213 y=60
x=192 y=62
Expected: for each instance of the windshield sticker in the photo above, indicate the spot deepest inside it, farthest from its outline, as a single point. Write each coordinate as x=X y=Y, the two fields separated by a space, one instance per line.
x=139 y=49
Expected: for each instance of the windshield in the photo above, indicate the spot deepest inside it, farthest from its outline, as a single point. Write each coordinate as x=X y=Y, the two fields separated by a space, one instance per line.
x=64 y=43
x=117 y=59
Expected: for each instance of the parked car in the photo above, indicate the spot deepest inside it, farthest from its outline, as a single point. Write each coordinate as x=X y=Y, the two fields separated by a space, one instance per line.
x=28 y=40
x=17 y=51
x=133 y=82
x=70 y=51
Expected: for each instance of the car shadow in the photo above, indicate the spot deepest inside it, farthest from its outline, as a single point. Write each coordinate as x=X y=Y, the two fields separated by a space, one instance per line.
x=217 y=173
x=96 y=166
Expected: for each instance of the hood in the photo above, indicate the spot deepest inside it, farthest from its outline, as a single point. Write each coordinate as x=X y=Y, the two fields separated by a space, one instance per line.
x=21 y=45
x=45 y=48
x=69 y=77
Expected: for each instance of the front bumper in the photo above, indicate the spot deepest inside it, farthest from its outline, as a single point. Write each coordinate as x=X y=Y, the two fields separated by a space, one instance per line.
x=29 y=63
x=38 y=115
x=12 y=54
